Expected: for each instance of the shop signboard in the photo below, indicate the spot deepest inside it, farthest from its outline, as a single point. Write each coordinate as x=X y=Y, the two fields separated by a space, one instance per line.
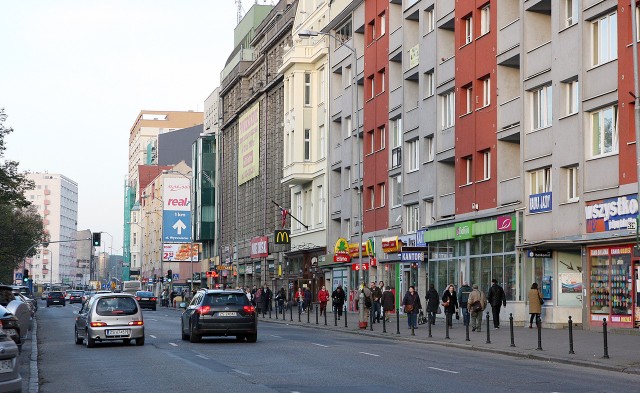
x=390 y=244
x=412 y=256
x=260 y=247
x=570 y=282
x=356 y=266
x=504 y=223
x=420 y=238
x=463 y=230
x=249 y=144
x=611 y=214
x=541 y=202
x=539 y=253
x=282 y=236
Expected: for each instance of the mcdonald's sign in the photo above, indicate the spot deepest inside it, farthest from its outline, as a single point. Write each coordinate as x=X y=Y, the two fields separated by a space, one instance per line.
x=282 y=236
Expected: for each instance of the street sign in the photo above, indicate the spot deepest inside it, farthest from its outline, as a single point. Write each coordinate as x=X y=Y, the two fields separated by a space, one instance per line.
x=176 y=226
x=18 y=276
x=408 y=256
x=196 y=276
x=176 y=276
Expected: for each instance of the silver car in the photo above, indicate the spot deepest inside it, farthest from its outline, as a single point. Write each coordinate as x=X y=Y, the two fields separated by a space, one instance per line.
x=10 y=379
x=109 y=317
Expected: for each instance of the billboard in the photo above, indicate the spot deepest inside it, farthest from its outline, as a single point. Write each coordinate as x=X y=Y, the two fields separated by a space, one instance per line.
x=248 y=144
x=260 y=247
x=179 y=252
x=176 y=213
x=611 y=214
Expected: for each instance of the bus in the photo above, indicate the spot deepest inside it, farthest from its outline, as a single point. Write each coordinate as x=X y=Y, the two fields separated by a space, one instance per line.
x=131 y=286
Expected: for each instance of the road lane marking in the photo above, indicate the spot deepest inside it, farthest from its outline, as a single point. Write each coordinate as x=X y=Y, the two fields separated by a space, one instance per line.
x=152 y=336
x=320 y=345
x=273 y=335
x=175 y=345
x=241 y=372
x=370 y=354
x=155 y=320
x=203 y=357
x=443 y=370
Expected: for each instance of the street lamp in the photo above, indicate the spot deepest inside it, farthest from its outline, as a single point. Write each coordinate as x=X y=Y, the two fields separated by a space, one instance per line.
x=311 y=33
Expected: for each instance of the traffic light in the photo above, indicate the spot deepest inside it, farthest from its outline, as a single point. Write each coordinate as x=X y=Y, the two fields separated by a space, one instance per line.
x=25 y=276
x=169 y=275
x=96 y=239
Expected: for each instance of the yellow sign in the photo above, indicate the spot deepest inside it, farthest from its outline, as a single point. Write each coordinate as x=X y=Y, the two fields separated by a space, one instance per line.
x=248 y=144
x=353 y=250
x=341 y=246
x=391 y=244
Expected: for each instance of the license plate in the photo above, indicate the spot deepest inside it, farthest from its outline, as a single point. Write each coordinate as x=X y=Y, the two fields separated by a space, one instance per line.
x=118 y=332
x=227 y=314
x=144 y=298
x=6 y=366
x=10 y=332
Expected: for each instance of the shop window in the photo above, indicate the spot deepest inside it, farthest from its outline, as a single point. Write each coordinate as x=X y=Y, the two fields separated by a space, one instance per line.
x=610 y=284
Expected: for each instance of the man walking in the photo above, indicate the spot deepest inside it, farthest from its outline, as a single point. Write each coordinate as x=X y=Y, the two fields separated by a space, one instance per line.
x=476 y=302
x=497 y=299
x=463 y=297
x=376 y=293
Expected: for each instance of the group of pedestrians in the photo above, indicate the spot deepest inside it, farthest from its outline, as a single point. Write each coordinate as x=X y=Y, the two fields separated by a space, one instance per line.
x=379 y=301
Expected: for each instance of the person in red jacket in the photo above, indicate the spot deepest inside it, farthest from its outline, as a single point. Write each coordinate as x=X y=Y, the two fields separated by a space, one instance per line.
x=323 y=298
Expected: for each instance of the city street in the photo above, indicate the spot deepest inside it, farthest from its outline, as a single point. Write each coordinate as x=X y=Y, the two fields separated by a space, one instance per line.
x=289 y=358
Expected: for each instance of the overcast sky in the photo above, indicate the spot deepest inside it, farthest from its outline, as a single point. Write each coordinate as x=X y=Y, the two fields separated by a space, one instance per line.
x=75 y=73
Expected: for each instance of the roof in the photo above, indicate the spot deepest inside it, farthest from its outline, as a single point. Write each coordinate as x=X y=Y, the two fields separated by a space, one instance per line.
x=146 y=174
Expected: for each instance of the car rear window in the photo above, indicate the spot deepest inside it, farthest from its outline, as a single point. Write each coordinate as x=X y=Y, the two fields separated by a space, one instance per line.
x=225 y=299
x=144 y=294
x=56 y=294
x=76 y=293
x=116 y=306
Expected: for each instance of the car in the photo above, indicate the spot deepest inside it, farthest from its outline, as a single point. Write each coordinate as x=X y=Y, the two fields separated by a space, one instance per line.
x=10 y=379
x=109 y=317
x=86 y=295
x=10 y=325
x=18 y=308
x=32 y=303
x=56 y=297
x=215 y=312
x=75 y=296
x=146 y=299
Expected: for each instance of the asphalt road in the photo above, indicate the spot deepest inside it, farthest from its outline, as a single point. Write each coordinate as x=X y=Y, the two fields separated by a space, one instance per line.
x=291 y=359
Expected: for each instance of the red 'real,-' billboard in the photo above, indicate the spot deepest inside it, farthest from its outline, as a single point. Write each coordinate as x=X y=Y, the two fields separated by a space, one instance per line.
x=260 y=247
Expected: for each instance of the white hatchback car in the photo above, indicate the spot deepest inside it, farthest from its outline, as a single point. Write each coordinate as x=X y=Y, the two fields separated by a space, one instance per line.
x=109 y=317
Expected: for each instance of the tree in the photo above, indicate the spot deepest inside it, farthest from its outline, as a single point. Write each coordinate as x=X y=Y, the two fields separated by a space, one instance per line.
x=20 y=229
x=13 y=184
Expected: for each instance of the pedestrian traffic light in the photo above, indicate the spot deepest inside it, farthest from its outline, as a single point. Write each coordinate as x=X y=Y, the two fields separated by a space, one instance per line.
x=96 y=239
x=25 y=276
x=169 y=275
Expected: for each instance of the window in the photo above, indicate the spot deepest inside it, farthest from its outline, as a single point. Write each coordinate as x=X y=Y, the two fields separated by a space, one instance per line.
x=307 y=144
x=542 y=104
x=572 y=97
x=571 y=9
x=347 y=224
x=540 y=181
x=347 y=128
x=637 y=23
x=382 y=194
x=321 y=204
x=372 y=142
x=429 y=212
x=486 y=165
x=372 y=197
x=382 y=79
x=346 y=179
x=307 y=89
x=468 y=91
x=604 y=39
x=486 y=92
x=372 y=86
x=604 y=131
x=448 y=110
x=382 y=137
x=429 y=85
x=485 y=19
x=343 y=33
x=371 y=29
x=413 y=156
x=347 y=77
x=572 y=184
x=413 y=218
x=396 y=143
x=429 y=20
x=321 y=85
x=468 y=175
x=323 y=141
x=383 y=24
x=468 y=29
x=396 y=191
x=431 y=149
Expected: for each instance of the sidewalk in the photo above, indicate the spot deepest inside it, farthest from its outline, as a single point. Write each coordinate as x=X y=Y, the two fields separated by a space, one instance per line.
x=588 y=345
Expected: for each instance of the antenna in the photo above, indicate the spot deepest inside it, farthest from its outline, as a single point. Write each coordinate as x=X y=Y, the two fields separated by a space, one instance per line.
x=239 y=11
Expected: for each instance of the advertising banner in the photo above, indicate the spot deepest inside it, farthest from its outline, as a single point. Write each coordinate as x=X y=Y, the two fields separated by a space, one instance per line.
x=182 y=252
x=260 y=247
x=176 y=214
x=248 y=144
x=611 y=214
x=539 y=203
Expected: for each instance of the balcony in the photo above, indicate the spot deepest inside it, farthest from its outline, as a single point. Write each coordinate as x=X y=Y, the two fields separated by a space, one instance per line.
x=395 y=40
x=509 y=117
x=510 y=191
x=446 y=71
x=509 y=43
x=447 y=204
x=47 y=191
x=538 y=60
x=412 y=118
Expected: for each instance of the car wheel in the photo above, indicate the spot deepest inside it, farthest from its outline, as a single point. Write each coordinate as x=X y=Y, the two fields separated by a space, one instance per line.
x=140 y=342
x=184 y=335
x=126 y=341
x=78 y=338
x=252 y=338
x=154 y=309
x=194 y=338
x=89 y=341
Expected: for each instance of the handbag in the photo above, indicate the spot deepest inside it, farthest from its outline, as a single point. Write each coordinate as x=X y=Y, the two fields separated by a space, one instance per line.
x=541 y=301
x=408 y=308
x=476 y=306
x=445 y=304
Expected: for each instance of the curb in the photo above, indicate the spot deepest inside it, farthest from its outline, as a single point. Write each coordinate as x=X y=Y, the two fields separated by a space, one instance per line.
x=546 y=358
x=33 y=363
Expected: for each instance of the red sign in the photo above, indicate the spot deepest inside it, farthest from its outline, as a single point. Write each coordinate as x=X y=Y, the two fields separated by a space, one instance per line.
x=260 y=247
x=356 y=266
x=504 y=223
x=341 y=258
x=374 y=261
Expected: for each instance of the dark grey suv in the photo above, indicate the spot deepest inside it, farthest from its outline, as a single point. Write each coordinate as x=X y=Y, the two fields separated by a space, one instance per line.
x=220 y=313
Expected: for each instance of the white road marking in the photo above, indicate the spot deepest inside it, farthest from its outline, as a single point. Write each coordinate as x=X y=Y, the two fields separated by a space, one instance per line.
x=241 y=372
x=443 y=370
x=175 y=345
x=152 y=336
x=370 y=354
x=320 y=345
x=203 y=357
x=155 y=320
x=273 y=335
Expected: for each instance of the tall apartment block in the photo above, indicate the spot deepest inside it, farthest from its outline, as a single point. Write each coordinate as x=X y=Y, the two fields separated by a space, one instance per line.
x=56 y=198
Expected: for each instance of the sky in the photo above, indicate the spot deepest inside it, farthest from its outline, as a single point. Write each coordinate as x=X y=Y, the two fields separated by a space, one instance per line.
x=74 y=74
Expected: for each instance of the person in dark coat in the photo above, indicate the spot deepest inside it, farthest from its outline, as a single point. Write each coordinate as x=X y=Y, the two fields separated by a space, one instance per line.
x=338 y=297
x=450 y=303
x=411 y=303
x=388 y=303
x=308 y=298
x=433 y=302
x=497 y=299
x=281 y=297
x=267 y=296
x=463 y=296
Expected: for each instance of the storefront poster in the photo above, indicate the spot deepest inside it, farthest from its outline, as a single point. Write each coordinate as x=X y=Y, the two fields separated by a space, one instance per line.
x=571 y=282
x=611 y=214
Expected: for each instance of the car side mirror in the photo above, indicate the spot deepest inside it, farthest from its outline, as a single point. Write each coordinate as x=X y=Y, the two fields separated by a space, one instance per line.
x=182 y=305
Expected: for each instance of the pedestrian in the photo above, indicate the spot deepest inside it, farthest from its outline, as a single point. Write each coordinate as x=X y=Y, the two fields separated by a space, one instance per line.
x=497 y=299
x=323 y=298
x=249 y=295
x=388 y=303
x=267 y=296
x=368 y=303
x=258 y=300
x=172 y=296
x=450 y=304
x=463 y=297
x=376 y=293
x=253 y=295
x=433 y=303
x=535 y=304
x=299 y=297
x=281 y=297
x=338 y=297
x=477 y=302
x=308 y=298
x=411 y=304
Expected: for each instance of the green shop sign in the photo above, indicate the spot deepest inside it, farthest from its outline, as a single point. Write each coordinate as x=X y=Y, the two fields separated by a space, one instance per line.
x=463 y=230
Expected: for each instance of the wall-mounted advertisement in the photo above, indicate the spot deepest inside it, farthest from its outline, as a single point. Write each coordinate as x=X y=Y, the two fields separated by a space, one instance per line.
x=611 y=214
x=570 y=282
x=176 y=214
x=181 y=252
x=248 y=144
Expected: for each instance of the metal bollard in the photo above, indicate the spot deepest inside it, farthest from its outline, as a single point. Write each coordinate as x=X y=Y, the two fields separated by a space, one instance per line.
x=488 y=330
x=291 y=311
x=513 y=343
x=604 y=336
x=467 y=329
x=325 y=316
x=384 y=323
x=277 y=310
x=345 y=316
x=429 y=323
x=269 y=310
x=446 y=326
x=371 y=319
x=309 y=313
x=316 y=314
x=299 y=313
x=570 y=336
x=398 y=321
x=413 y=333
x=539 y=326
x=335 y=316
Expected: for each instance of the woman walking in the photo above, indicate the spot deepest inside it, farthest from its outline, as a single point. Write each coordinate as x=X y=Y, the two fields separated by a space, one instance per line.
x=338 y=297
x=411 y=303
x=433 y=303
x=450 y=304
x=535 y=304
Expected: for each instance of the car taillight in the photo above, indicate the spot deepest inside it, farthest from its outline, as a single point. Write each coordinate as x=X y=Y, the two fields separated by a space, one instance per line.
x=98 y=324
x=137 y=297
x=249 y=309
x=136 y=323
x=153 y=299
x=203 y=309
x=49 y=297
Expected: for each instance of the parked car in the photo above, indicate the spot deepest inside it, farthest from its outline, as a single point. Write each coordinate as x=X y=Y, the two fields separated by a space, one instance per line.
x=17 y=307
x=146 y=299
x=10 y=379
x=75 y=296
x=32 y=303
x=10 y=325
x=220 y=313
x=109 y=317
x=56 y=297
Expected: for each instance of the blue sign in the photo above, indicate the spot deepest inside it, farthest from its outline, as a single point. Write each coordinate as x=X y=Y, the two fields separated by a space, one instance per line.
x=539 y=203
x=176 y=226
x=18 y=276
x=412 y=256
x=176 y=276
x=420 y=238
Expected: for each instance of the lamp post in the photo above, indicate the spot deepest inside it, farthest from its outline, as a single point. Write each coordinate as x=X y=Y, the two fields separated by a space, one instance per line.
x=636 y=106
x=312 y=33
